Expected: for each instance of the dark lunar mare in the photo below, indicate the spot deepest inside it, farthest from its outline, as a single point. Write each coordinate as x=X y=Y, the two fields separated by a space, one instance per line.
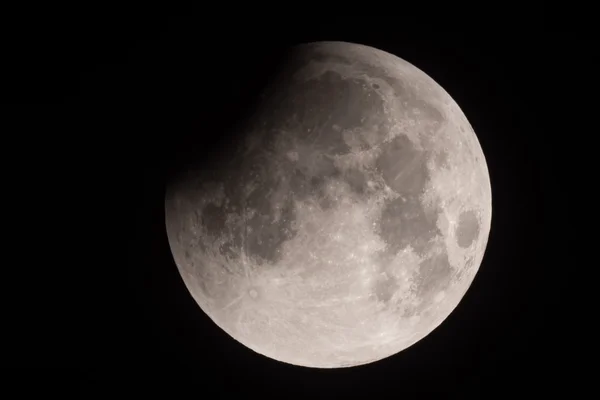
x=310 y=117
x=300 y=115
x=468 y=228
x=406 y=221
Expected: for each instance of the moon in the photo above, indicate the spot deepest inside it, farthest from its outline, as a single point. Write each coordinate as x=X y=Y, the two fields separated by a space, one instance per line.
x=350 y=220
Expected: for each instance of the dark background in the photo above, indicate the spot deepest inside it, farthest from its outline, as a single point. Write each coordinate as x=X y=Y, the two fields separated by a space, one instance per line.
x=105 y=105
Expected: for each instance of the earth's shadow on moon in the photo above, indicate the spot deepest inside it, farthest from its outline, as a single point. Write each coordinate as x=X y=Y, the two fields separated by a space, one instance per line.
x=233 y=97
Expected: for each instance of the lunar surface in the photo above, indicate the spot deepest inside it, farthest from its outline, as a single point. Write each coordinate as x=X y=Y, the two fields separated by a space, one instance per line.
x=350 y=220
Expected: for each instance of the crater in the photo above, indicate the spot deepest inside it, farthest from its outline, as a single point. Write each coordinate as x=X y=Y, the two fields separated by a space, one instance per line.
x=253 y=293
x=406 y=222
x=467 y=228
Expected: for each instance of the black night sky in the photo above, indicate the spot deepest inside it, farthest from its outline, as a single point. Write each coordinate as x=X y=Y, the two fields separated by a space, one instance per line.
x=114 y=102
